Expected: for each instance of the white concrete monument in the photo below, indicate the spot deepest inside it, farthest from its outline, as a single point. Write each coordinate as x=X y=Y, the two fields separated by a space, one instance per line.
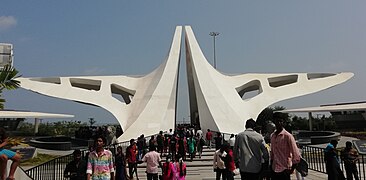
x=217 y=101
x=147 y=104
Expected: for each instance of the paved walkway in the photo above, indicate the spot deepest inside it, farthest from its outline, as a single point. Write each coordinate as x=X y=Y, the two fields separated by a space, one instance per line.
x=206 y=173
x=201 y=169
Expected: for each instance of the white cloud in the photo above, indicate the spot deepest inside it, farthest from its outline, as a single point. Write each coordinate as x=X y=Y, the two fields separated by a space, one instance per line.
x=7 y=22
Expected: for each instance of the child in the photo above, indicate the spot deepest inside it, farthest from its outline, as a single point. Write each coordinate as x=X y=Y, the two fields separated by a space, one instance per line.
x=5 y=155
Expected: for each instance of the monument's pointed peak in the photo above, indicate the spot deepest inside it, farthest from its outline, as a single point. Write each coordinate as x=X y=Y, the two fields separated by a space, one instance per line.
x=219 y=102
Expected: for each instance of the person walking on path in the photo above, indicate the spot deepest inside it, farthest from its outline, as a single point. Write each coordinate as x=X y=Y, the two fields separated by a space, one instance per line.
x=120 y=162
x=173 y=145
x=228 y=161
x=168 y=169
x=152 y=142
x=350 y=157
x=75 y=170
x=332 y=164
x=200 y=143
x=209 y=138
x=218 y=140
x=182 y=146
x=5 y=155
x=100 y=162
x=141 y=146
x=180 y=168
x=160 y=142
x=152 y=159
x=219 y=164
x=131 y=153
x=250 y=152
x=284 y=152
x=191 y=143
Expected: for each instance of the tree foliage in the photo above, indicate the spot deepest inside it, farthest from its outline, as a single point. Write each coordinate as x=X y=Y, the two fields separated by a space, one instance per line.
x=65 y=128
x=266 y=117
x=8 y=75
x=92 y=121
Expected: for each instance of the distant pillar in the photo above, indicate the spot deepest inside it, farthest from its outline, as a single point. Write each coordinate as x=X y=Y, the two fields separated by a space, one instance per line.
x=36 y=125
x=310 y=121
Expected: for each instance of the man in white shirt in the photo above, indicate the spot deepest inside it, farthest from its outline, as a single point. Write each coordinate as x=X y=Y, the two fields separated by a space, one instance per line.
x=152 y=159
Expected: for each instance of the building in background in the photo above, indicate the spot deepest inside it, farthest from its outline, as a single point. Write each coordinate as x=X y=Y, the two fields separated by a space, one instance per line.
x=6 y=54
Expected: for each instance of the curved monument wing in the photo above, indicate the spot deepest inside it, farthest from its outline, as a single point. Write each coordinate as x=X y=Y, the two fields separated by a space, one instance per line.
x=219 y=102
x=145 y=104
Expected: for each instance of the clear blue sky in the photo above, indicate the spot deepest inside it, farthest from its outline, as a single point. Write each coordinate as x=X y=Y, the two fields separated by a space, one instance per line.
x=92 y=37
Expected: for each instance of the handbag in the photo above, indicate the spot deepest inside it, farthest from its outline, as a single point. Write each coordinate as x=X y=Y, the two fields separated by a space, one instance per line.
x=302 y=167
x=236 y=171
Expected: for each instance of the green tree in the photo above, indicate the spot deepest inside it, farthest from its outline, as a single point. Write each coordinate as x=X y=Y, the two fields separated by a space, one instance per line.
x=64 y=128
x=266 y=117
x=300 y=123
x=8 y=75
x=92 y=121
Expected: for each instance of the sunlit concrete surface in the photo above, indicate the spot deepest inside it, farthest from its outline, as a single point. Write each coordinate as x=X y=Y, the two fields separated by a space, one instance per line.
x=144 y=104
x=219 y=101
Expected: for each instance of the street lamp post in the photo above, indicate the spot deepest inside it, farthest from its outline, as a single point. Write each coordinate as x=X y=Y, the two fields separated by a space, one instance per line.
x=214 y=34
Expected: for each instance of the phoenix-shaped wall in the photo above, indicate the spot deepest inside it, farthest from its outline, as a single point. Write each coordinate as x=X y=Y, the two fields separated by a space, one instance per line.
x=218 y=101
x=142 y=105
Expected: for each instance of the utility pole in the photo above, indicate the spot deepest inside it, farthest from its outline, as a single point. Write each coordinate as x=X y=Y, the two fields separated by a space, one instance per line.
x=214 y=34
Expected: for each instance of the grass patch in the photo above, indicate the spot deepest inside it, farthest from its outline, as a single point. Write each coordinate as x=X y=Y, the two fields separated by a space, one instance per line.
x=39 y=159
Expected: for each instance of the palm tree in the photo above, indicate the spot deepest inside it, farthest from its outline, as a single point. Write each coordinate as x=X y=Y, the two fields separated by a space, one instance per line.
x=8 y=74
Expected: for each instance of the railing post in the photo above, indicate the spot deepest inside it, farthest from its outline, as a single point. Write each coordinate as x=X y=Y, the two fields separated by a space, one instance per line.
x=54 y=169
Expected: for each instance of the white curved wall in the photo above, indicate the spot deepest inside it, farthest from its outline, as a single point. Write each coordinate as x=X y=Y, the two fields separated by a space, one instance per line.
x=216 y=97
x=148 y=104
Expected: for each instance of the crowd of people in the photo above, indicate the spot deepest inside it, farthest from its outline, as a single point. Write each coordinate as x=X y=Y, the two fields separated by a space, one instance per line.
x=178 y=146
x=277 y=158
x=246 y=153
x=101 y=164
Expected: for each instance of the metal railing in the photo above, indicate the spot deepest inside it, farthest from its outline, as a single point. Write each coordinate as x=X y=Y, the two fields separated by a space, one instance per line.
x=315 y=158
x=54 y=169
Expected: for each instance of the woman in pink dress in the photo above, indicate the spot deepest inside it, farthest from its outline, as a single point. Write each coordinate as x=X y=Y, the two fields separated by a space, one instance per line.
x=168 y=169
x=180 y=168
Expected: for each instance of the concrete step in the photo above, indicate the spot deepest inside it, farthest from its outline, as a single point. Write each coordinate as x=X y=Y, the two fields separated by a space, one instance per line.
x=206 y=160
x=193 y=173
